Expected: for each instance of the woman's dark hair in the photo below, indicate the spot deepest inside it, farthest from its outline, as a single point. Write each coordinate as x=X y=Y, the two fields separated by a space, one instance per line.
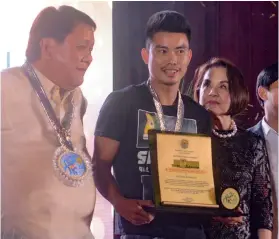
x=238 y=90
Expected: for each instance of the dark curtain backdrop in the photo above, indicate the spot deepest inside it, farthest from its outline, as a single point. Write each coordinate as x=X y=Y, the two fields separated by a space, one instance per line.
x=244 y=32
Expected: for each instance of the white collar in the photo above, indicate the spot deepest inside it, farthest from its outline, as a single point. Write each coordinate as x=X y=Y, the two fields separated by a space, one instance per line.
x=50 y=88
x=267 y=128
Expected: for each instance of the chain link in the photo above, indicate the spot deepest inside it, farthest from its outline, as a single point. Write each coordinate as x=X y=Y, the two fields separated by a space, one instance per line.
x=160 y=113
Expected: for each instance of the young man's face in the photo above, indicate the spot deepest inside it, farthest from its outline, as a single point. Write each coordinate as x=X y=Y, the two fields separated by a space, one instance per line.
x=168 y=57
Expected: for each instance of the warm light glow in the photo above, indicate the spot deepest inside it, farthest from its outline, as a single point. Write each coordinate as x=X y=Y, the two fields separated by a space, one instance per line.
x=98 y=227
x=110 y=4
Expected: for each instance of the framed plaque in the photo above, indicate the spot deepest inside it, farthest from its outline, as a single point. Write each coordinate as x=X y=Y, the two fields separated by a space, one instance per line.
x=183 y=178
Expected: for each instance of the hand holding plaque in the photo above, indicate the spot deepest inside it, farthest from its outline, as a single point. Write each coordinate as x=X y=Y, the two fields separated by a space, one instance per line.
x=183 y=177
x=133 y=210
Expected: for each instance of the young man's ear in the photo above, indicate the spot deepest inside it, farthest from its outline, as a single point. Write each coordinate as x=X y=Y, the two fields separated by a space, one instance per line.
x=262 y=92
x=144 y=55
x=190 y=54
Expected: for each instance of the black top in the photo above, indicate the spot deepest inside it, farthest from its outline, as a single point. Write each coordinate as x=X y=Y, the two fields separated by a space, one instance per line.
x=242 y=161
x=126 y=116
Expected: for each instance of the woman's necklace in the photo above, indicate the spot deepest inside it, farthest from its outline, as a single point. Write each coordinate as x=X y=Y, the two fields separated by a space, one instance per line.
x=234 y=130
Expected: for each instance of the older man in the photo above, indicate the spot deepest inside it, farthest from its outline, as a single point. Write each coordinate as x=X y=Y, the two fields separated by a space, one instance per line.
x=47 y=189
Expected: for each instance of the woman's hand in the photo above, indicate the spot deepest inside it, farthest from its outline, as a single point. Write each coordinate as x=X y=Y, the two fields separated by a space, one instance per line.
x=230 y=220
x=264 y=234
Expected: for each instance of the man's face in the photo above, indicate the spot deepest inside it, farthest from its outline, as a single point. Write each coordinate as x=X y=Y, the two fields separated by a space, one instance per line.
x=270 y=98
x=72 y=58
x=168 y=57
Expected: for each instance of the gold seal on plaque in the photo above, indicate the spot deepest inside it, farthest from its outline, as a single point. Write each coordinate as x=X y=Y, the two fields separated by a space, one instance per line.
x=230 y=198
x=184 y=143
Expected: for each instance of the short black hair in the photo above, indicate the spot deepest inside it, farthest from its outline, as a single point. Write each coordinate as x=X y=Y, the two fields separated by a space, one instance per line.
x=167 y=21
x=56 y=23
x=266 y=77
x=237 y=88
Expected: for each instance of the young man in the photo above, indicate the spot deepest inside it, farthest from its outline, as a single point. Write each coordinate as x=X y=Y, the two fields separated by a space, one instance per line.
x=267 y=94
x=47 y=190
x=122 y=132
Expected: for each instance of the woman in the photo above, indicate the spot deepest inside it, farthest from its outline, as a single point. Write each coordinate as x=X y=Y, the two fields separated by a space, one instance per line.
x=240 y=157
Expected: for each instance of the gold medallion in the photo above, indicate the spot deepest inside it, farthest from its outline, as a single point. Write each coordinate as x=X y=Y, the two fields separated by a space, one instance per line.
x=230 y=198
x=71 y=167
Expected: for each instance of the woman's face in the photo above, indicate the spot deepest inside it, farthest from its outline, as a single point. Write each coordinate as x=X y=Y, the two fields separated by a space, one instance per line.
x=214 y=91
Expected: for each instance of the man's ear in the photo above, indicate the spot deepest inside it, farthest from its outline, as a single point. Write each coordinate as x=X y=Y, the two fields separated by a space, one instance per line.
x=145 y=55
x=262 y=92
x=47 y=47
x=190 y=54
